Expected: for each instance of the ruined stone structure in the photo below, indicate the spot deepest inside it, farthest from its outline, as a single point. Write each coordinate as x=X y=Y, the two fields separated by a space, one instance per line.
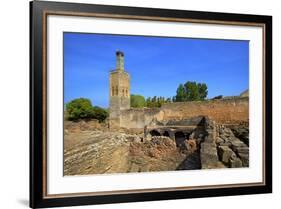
x=213 y=145
x=119 y=91
x=177 y=136
x=245 y=93
x=223 y=111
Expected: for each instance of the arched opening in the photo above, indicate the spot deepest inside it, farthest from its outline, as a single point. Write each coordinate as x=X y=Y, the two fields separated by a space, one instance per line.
x=180 y=137
x=166 y=133
x=154 y=133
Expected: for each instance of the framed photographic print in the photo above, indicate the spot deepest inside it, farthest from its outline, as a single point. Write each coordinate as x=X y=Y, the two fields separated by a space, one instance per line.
x=140 y=104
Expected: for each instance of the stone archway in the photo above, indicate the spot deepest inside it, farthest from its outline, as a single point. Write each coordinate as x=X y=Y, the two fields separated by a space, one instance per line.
x=154 y=133
x=166 y=133
x=179 y=138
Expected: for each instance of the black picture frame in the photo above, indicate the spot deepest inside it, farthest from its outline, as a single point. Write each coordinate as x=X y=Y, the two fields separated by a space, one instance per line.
x=38 y=11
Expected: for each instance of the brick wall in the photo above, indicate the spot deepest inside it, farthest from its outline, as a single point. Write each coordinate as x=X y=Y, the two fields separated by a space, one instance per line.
x=228 y=111
x=221 y=111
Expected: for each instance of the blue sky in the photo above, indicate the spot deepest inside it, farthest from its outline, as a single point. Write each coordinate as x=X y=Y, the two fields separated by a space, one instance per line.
x=157 y=65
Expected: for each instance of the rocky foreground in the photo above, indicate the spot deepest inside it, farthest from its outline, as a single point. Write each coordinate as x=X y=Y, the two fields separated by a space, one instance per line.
x=90 y=148
x=225 y=146
x=98 y=152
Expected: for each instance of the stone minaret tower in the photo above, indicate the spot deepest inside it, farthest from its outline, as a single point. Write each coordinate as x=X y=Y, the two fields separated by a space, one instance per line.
x=119 y=91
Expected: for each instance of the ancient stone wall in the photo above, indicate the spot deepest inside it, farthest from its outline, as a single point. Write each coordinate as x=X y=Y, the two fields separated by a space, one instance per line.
x=222 y=111
x=137 y=118
x=228 y=111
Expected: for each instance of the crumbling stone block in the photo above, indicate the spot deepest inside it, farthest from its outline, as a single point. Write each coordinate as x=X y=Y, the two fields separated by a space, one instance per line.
x=208 y=155
x=237 y=144
x=219 y=140
x=235 y=162
x=225 y=153
x=244 y=158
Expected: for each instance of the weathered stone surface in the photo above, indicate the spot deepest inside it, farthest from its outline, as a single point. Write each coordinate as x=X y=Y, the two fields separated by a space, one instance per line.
x=210 y=138
x=209 y=148
x=209 y=156
x=211 y=133
x=134 y=168
x=199 y=140
x=189 y=145
x=237 y=144
x=223 y=111
x=186 y=122
x=244 y=158
x=231 y=149
x=222 y=136
x=225 y=153
x=220 y=129
x=219 y=140
x=119 y=99
x=243 y=149
x=225 y=144
x=148 y=137
x=242 y=132
x=136 y=139
x=191 y=162
x=228 y=132
x=200 y=135
x=98 y=152
x=235 y=162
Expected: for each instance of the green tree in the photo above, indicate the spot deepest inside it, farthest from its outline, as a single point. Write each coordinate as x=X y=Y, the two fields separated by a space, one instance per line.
x=137 y=101
x=99 y=113
x=158 y=102
x=191 y=91
x=161 y=101
x=203 y=91
x=168 y=100
x=148 y=102
x=82 y=109
x=79 y=109
x=154 y=100
x=180 y=97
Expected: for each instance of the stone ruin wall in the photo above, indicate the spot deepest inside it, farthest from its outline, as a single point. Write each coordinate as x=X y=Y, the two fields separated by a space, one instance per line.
x=225 y=111
x=137 y=118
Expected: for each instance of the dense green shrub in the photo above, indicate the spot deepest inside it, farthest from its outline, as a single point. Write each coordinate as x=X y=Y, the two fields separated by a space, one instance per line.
x=79 y=109
x=82 y=109
x=99 y=113
x=156 y=101
x=137 y=101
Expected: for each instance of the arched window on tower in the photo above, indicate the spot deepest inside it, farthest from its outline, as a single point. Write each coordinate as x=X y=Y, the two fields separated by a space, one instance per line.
x=126 y=92
x=112 y=91
x=116 y=91
x=123 y=92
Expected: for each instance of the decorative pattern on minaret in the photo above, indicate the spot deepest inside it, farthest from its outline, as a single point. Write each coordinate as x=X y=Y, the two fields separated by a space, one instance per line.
x=119 y=90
